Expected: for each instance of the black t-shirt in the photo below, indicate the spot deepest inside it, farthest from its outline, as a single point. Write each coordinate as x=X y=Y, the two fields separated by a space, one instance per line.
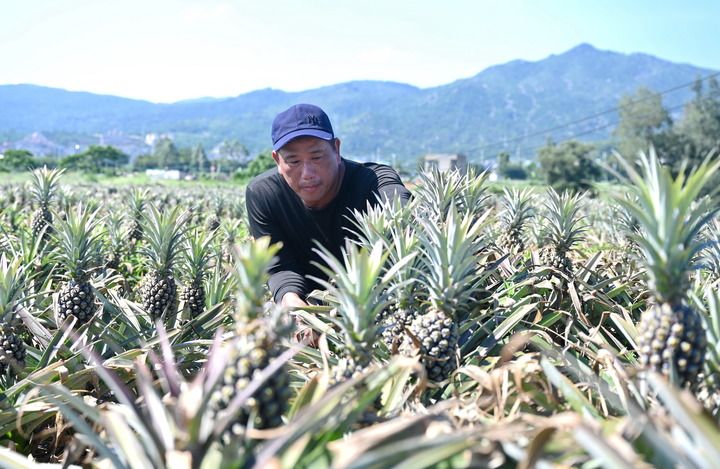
x=275 y=210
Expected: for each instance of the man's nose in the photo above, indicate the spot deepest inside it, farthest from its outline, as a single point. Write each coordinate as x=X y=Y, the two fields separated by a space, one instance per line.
x=308 y=172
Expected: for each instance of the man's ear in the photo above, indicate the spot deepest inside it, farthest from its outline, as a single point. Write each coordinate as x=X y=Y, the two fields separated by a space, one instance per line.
x=337 y=145
x=276 y=157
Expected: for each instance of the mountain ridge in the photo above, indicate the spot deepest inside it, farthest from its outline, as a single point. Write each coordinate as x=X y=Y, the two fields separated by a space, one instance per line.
x=473 y=115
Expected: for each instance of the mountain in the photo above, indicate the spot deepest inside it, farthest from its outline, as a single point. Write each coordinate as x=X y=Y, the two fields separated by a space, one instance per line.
x=479 y=116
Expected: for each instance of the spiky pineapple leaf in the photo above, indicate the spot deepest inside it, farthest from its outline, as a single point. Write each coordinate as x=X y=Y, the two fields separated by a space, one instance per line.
x=360 y=288
x=79 y=242
x=670 y=214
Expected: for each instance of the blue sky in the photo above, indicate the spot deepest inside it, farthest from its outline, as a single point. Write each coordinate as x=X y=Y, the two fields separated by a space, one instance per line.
x=168 y=50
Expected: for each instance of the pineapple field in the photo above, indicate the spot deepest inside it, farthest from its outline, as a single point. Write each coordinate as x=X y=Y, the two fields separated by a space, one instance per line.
x=467 y=328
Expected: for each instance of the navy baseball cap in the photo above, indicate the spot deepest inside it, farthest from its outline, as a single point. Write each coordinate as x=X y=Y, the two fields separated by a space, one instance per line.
x=300 y=120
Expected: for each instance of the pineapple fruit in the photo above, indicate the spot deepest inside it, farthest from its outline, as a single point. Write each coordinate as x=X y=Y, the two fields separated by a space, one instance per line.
x=450 y=274
x=44 y=187
x=196 y=256
x=79 y=253
x=163 y=231
x=255 y=345
x=670 y=215
x=12 y=348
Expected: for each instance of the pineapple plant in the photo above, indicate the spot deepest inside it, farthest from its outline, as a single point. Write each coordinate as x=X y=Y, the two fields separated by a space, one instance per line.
x=437 y=192
x=79 y=250
x=117 y=236
x=196 y=256
x=473 y=196
x=670 y=216
x=450 y=275
x=517 y=211
x=213 y=221
x=564 y=229
x=622 y=259
x=164 y=232
x=44 y=187
x=256 y=343
x=12 y=348
x=711 y=253
x=138 y=201
x=360 y=291
x=404 y=288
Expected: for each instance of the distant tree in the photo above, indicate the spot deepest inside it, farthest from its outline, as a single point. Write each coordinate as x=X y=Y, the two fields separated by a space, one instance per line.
x=258 y=165
x=166 y=153
x=143 y=162
x=199 y=160
x=96 y=159
x=17 y=160
x=227 y=166
x=76 y=162
x=107 y=157
x=515 y=171
x=700 y=124
x=503 y=161
x=509 y=170
x=642 y=119
x=568 y=166
x=233 y=150
x=184 y=161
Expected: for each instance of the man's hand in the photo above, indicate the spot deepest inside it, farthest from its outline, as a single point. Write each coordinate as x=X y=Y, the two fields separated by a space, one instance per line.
x=305 y=334
x=292 y=300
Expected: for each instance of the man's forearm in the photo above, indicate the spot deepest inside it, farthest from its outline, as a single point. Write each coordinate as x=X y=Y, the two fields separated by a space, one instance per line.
x=287 y=281
x=293 y=300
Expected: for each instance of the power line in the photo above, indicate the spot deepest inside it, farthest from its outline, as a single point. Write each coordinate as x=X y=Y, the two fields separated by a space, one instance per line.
x=585 y=132
x=589 y=117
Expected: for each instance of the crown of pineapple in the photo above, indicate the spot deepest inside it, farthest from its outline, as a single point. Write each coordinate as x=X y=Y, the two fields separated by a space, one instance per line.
x=404 y=243
x=252 y=261
x=360 y=289
x=79 y=243
x=625 y=222
x=44 y=184
x=670 y=216
x=117 y=233
x=137 y=201
x=517 y=208
x=711 y=251
x=197 y=254
x=164 y=231
x=474 y=194
x=450 y=267
x=438 y=191
x=565 y=224
x=375 y=222
x=11 y=283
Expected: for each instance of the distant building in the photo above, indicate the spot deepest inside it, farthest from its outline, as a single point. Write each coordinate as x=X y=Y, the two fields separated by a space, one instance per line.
x=167 y=174
x=446 y=161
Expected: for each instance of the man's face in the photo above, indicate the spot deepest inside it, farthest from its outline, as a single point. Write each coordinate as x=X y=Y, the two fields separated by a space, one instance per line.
x=311 y=167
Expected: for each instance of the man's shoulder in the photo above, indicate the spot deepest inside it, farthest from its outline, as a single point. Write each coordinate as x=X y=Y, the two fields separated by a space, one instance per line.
x=268 y=181
x=369 y=168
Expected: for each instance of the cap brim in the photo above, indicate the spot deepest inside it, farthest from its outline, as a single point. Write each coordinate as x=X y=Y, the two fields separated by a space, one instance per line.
x=302 y=133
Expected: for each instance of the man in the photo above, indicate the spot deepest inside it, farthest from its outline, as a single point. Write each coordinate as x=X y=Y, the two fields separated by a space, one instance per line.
x=308 y=197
